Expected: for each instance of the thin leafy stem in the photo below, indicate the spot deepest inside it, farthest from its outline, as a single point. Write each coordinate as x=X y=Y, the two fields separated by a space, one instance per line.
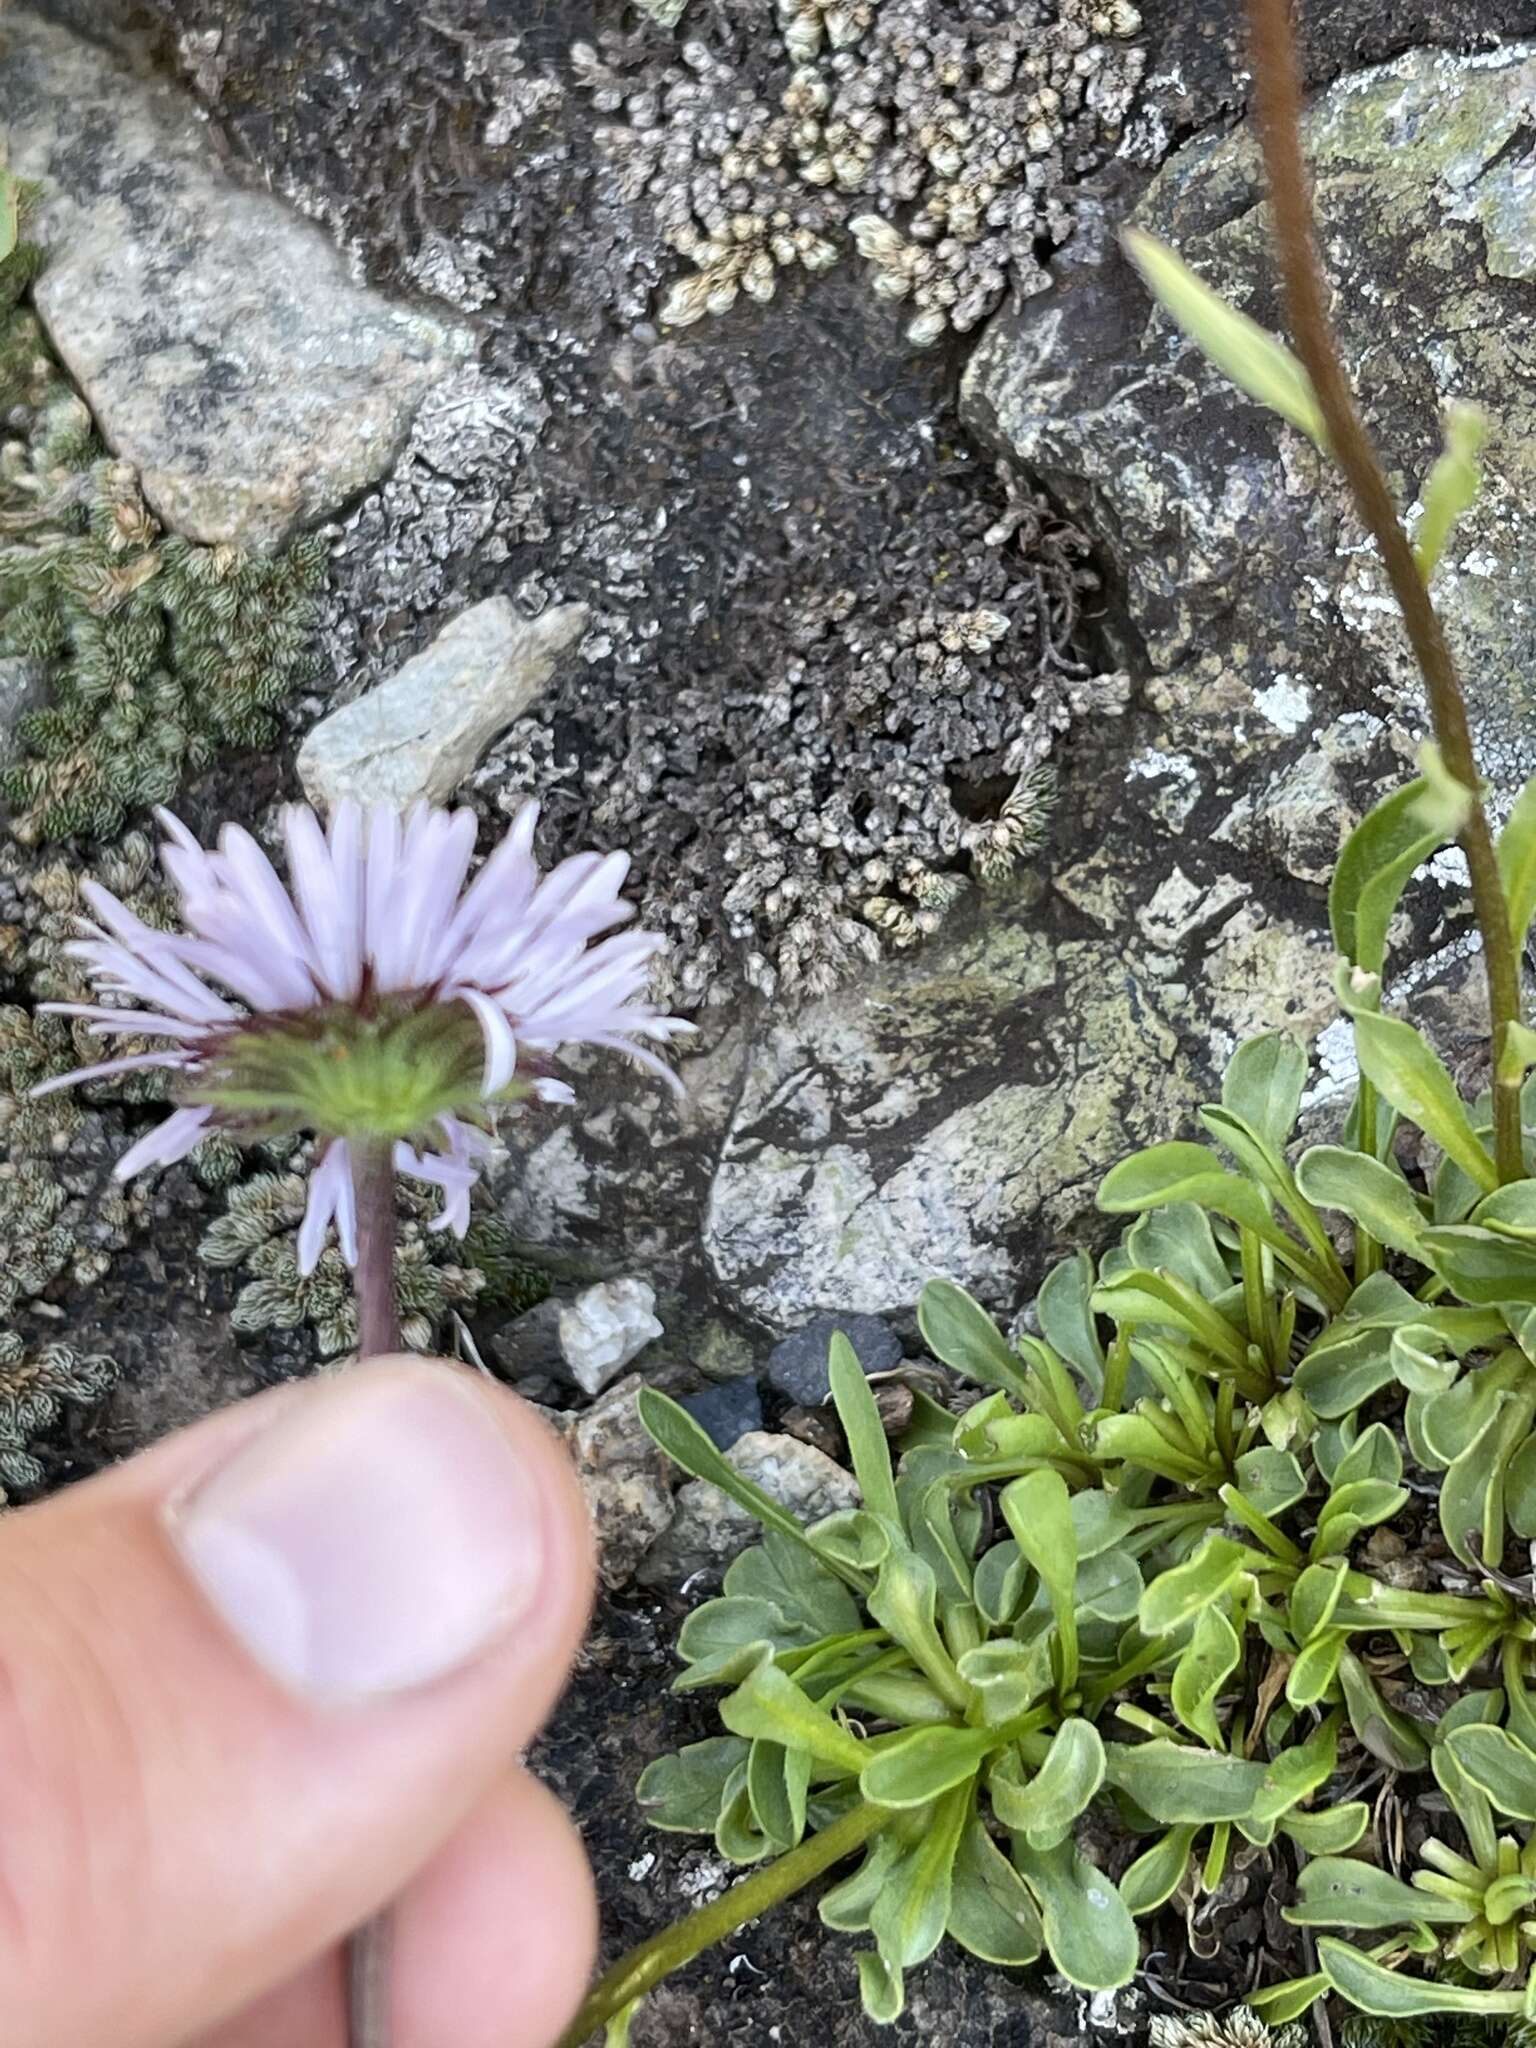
x=1278 y=100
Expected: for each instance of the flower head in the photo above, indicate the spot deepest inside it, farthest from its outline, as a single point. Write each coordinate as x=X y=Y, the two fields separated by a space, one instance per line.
x=377 y=996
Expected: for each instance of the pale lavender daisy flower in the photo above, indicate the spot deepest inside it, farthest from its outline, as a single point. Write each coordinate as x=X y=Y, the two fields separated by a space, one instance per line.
x=375 y=998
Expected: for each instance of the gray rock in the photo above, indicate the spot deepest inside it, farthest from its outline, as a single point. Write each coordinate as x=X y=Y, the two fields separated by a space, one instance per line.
x=709 y=1528
x=728 y=1411
x=419 y=734
x=797 y=1364
x=530 y=1343
x=943 y=1119
x=627 y=1480
x=222 y=345
x=1245 y=572
x=604 y=1328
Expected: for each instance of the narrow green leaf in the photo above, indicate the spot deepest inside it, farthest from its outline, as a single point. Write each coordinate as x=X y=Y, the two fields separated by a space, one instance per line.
x=1365 y=1189
x=847 y=1906
x=1090 y=1936
x=998 y=1584
x=1296 y=1773
x=1316 y=1669
x=1280 y=2004
x=1038 y=1510
x=1374 y=867
x=1499 y=1766
x=1332 y=1831
x=683 y=1793
x=1371 y=1987
x=991 y=1912
x=1452 y=486
x=1412 y=1077
x=1517 y=862
x=908 y=1918
x=923 y=1764
x=854 y=1399
x=739 y=1836
x=1392 y=1736
x=1008 y=1676
x=1155 y=1876
x=960 y=1333
x=1062 y=1788
x=881 y=1990
x=686 y=1444
x=1263 y=1085
x=1242 y=350
x=778 y=1780
x=1177 y=1595
x=769 y=1704
x=1066 y=1317
x=1338 y=1891
x=1173 y=1782
x=905 y=1604
x=1206 y=1662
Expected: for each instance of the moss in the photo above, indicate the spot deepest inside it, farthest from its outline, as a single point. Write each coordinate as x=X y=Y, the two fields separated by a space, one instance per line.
x=259 y=1233
x=156 y=651
x=34 y=1387
x=512 y=1283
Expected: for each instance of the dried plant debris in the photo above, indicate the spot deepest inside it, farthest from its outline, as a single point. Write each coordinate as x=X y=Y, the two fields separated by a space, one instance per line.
x=945 y=144
x=259 y=1233
x=153 y=652
x=34 y=1386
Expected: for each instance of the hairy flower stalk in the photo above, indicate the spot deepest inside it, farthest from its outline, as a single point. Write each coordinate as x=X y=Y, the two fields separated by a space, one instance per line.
x=381 y=1004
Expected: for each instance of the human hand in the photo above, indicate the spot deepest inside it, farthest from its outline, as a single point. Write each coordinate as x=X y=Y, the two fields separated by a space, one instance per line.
x=265 y=1677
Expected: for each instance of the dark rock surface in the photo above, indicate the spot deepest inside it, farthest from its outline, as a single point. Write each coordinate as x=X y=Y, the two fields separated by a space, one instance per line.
x=727 y=1411
x=797 y=1364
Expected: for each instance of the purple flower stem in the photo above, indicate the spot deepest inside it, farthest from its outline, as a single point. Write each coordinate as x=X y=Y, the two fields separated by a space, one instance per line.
x=378 y=1333
x=373 y=1185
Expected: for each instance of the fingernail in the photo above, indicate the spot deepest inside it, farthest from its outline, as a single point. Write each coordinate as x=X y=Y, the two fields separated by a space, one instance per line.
x=377 y=1536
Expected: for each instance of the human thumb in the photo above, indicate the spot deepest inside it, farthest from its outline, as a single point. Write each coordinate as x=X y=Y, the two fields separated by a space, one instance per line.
x=251 y=1680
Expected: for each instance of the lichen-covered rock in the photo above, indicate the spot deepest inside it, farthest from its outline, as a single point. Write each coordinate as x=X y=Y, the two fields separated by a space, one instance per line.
x=708 y=1528
x=1244 y=569
x=224 y=349
x=418 y=735
x=604 y=1328
x=948 y=1119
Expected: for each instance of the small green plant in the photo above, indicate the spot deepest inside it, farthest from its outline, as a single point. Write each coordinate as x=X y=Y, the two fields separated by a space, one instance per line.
x=1149 y=1572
